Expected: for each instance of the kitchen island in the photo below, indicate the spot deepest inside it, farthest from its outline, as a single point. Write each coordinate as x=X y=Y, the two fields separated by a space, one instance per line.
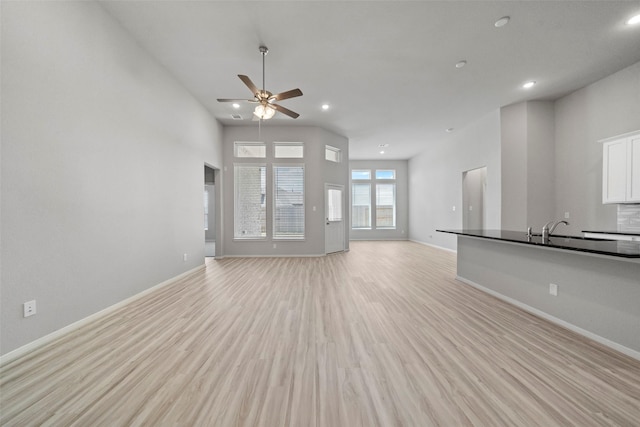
x=596 y=282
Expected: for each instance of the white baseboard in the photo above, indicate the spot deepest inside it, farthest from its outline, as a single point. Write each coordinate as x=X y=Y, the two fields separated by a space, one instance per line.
x=434 y=246
x=378 y=239
x=21 y=351
x=597 y=338
x=275 y=256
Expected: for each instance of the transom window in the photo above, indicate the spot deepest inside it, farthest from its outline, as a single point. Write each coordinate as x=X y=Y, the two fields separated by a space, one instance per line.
x=288 y=150
x=332 y=154
x=250 y=149
x=359 y=174
x=385 y=174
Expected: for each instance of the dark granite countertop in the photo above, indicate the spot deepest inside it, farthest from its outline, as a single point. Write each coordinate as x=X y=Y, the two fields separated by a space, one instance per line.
x=624 y=233
x=616 y=248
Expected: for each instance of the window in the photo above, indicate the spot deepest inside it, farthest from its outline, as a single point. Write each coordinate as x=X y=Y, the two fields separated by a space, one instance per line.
x=250 y=219
x=250 y=149
x=362 y=201
x=334 y=205
x=332 y=154
x=288 y=150
x=361 y=205
x=359 y=174
x=386 y=174
x=385 y=205
x=288 y=215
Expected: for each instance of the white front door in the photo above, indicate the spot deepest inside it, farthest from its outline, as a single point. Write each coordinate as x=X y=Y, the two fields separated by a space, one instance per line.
x=334 y=218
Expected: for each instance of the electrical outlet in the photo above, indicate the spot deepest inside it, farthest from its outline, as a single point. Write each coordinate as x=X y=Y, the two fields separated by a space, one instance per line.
x=29 y=308
x=566 y=215
x=453 y=209
x=184 y=257
x=274 y=246
x=553 y=289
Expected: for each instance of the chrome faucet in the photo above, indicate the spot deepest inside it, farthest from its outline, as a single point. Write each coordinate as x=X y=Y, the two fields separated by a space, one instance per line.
x=546 y=231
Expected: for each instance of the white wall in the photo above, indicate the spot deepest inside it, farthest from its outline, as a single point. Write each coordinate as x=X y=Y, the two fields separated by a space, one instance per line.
x=102 y=167
x=318 y=171
x=435 y=180
x=610 y=106
x=402 y=201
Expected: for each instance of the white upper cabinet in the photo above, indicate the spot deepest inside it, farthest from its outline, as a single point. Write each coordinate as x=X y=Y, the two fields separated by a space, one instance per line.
x=621 y=168
x=633 y=189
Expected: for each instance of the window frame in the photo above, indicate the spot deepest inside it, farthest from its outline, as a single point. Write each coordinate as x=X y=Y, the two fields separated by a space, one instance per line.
x=368 y=171
x=274 y=207
x=393 y=205
x=235 y=201
x=277 y=144
x=334 y=150
x=385 y=170
x=353 y=205
x=238 y=144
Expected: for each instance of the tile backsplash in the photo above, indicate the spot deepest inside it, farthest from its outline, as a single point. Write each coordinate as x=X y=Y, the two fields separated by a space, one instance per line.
x=629 y=218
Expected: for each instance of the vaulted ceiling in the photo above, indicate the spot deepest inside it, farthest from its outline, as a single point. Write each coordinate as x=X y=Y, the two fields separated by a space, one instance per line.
x=386 y=68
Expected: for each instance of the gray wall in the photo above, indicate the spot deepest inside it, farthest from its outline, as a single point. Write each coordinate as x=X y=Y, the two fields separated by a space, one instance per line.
x=435 y=180
x=402 y=200
x=546 y=161
x=513 y=131
x=210 y=232
x=606 y=108
x=474 y=183
x=528 y=165
x=318 y=171
x=595 y=293
x=102 y=168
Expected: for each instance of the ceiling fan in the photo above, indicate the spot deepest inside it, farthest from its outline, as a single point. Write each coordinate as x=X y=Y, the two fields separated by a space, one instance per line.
x=266 y=101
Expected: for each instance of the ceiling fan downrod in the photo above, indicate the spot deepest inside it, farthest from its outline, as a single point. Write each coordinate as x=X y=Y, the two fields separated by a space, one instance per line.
x=263 y=50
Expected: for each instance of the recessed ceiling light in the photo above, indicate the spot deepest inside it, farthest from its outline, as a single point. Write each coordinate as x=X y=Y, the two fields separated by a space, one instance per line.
x=634 y=20
x=529 y=85
x=461 y=64
x=450 y=130
x=382 y=152
x=502 y=22
x=236 y=105
x=325 y=106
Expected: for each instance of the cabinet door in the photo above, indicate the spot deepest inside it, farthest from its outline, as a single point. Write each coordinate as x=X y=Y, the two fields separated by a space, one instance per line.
x=614 y=171
x=633 y=168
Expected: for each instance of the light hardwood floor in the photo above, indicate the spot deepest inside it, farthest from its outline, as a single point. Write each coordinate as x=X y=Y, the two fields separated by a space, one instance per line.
x=380 y=336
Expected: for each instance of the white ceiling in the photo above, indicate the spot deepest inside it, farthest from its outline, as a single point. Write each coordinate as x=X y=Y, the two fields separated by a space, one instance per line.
x=387 y=68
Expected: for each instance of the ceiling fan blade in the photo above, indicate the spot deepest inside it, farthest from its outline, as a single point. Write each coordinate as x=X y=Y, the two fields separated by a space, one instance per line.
x=236 y=100
x=246 y=80
x=286 y=111
x=286 y=95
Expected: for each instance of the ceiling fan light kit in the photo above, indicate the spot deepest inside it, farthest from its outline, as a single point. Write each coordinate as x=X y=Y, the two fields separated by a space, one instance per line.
x=266 y=101
x=264 y=112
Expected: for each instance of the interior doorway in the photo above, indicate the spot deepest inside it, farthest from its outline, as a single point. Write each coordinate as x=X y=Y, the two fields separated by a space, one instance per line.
x=474 y=185
x=209 y=205
x=334 y=218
